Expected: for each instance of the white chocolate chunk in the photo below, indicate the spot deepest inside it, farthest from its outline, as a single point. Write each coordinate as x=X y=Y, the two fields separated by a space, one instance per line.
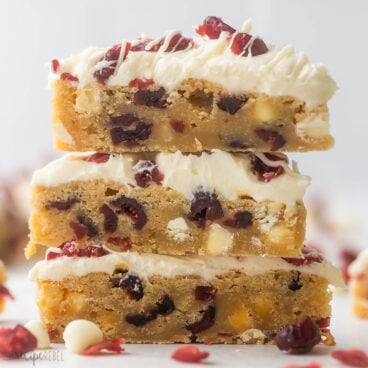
x=178 y=228
x=219 y=240
x=37 y=330
x=80 y=334
x=264 y=111
x=62 y=134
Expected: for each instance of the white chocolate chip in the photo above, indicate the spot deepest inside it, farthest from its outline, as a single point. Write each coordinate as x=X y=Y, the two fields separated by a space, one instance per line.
x=264 y=111
x=219 y=240
x=62 y=134
x=37 y=330
x=279 y=234
x=80 y=334
x=178 y=228
x=88 y=101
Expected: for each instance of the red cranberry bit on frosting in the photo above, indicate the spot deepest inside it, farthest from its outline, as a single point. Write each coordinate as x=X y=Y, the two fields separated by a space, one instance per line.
x=140 y=83
x=55 y=64
x=111 y=346
x=122 y=243
x=299 y=338
x=112 y=56
x=14 y=342
x=264 y=172
x=176 y=43
x=212 y=27
x=71 y=249
x=353 y=357
x=309 y=256
x=5 y=293
x=68 y=77
x=98 y=158
x=243 y=43
x=145 y=172
x=310 y=365
x=189 y=353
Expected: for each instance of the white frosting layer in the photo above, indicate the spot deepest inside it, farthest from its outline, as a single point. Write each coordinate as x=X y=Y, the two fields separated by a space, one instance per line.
x=280 y=71
x=146 y=265
x=360 y=265
x=220 y=172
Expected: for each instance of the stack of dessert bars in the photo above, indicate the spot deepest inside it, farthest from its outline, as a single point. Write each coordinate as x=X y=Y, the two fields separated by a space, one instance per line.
x=182 y=221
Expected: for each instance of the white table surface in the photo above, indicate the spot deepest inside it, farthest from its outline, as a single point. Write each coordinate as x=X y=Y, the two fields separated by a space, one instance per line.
x=349 y=332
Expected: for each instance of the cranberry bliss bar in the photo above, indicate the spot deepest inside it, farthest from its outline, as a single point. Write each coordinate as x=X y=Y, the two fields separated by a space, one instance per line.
x=224 y=89
x=150 y=298
x=171 y=203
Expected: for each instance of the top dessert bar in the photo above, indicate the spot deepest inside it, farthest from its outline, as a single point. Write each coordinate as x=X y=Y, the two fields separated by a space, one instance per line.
x=224 y=89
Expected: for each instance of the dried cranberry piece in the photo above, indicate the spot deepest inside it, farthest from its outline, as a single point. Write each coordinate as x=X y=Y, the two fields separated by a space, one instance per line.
x=299 y=338
x=231 y=104
x=112 y=56
x=310 y=365
x=111 y=346
x=110 y=219
x=150 y=98
x=189 y=353
x=53 y=334
x=98 y=158
x=140 y=319
x=14 y=342
x=131 y=284
x=308 y=256
x=323 y=322
x=205 y=206
x=178 y=125
x=140 y=83
x=141 y=45
x=5 y=293
x=62 y=205
x=71 y=249
x=262 y=171
x=89 y=225
x=295 y=283
x=92 y=251
x=123 y=243
x=353 y=357
x=242 y=219
x=176 y=43
x=347 y=256
x=129 y=128
x=164 y=307
x=145 y=172
x=207 y=321
x=68 y=77
x=239 y=144
x=55 y=65
x=212 y=27
x=78 y=229
x=274 y=139
x=205 y=293
x=131 y=208
x=243 y=43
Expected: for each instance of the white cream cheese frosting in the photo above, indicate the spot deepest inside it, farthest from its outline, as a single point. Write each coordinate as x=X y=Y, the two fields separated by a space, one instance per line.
x=360 y=265
x=146 y=265
x=278 y=72
x=221 y=172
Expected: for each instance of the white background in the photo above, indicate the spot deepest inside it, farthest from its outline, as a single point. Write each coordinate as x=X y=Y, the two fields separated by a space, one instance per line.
x=334 y=32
